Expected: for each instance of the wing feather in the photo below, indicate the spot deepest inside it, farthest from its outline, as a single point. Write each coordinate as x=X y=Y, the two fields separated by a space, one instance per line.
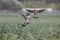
x=39 y=11
x=31 y=11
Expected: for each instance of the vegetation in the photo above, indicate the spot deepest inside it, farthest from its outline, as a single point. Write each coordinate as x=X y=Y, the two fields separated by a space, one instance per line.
x=10 y=4
x=47 y=27
x=19 y=4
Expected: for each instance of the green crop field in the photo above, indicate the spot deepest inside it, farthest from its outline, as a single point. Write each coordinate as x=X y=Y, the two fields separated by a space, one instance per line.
x=47 y=27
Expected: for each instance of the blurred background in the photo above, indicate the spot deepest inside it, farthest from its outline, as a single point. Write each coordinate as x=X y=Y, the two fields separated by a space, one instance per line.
x=18 y=4
x=46 y=27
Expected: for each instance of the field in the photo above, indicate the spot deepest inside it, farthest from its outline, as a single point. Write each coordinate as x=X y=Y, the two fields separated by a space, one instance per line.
x=47 y=27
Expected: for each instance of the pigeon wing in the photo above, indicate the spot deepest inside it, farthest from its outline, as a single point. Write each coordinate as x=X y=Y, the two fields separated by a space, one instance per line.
x=39 y=11
x=31 y=11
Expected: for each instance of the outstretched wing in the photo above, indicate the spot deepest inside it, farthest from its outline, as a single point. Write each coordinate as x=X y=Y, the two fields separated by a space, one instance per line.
x=23 y=16
x=39 y=11
x=31 y=11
